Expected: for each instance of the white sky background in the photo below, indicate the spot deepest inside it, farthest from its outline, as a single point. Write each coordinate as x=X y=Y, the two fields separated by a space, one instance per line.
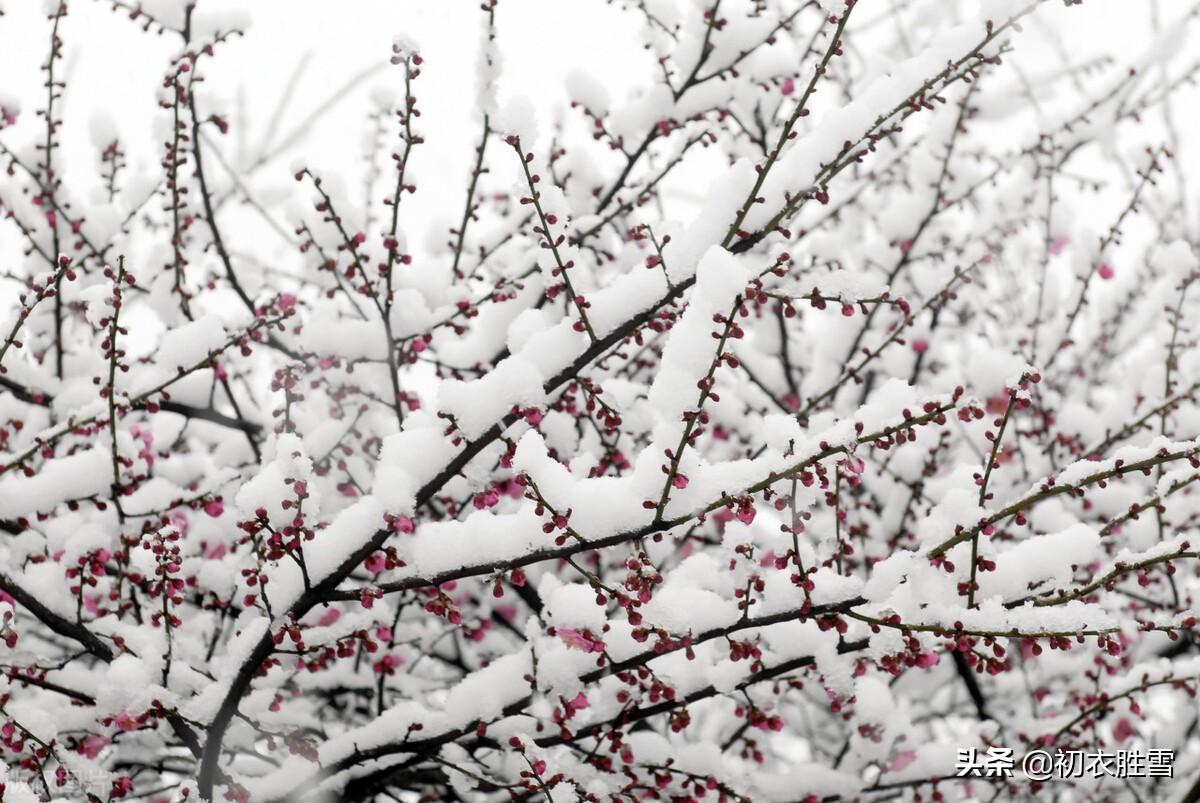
x=115 y=69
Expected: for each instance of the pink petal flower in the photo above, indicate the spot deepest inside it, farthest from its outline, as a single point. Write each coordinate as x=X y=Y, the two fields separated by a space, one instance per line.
x=387 y=664
x=487 y=499
x=93 y=744
x=1106 y=271
x=853 y=465
x=376 y=563
x=1123 y=730
x=996 y=405
x=1058 y=244
x=902 y=760
x=788 y=87
x=920 y=345
x=215 y=508
x=329 y=617
x=573 y=638
x=928 y=659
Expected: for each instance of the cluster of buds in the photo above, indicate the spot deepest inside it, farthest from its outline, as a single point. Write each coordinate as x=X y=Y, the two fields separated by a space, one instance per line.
x=166 y=583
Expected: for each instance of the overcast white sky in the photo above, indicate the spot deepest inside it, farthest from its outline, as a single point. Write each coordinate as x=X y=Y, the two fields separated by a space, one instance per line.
x=115 y=69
